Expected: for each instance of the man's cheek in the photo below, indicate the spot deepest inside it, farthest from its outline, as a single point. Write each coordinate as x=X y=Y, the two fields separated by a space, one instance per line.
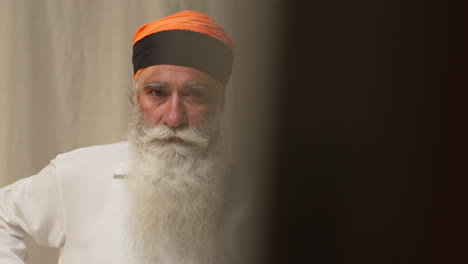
x=198 y=120
x=151 y=118
x=200 y=115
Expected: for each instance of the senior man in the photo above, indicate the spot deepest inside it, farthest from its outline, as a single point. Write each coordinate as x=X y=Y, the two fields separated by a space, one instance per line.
x=161 y=197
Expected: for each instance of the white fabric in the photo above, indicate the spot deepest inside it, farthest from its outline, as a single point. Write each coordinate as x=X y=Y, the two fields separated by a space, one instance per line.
x=79 y=203
x=76 y=203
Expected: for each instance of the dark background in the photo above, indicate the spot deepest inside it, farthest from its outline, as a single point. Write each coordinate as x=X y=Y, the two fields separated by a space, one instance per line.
x=368 y=157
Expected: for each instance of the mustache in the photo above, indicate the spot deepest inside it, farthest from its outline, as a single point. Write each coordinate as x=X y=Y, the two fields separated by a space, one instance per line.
x=162 y=134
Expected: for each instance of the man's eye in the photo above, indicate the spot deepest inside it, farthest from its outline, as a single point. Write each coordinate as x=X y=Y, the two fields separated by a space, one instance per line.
x=198 y=94
x=158 y=93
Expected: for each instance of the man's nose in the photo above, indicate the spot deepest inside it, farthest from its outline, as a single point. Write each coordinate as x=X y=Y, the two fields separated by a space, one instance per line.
x=174 y=115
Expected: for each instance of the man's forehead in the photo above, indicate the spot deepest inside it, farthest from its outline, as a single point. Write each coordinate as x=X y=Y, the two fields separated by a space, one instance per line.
x=168 y=74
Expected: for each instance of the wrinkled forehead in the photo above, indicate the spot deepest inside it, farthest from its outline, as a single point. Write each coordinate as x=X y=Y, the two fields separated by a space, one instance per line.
x=177 y=75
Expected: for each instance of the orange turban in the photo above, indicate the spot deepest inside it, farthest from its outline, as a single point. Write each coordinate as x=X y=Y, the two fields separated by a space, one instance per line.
x=186 y=38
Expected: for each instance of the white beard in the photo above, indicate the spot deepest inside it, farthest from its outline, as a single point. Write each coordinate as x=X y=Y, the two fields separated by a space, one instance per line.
x=176 y=194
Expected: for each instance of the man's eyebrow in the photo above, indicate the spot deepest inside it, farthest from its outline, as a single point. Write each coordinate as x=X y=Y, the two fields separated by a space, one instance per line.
x=155 y=85
x=196 y=85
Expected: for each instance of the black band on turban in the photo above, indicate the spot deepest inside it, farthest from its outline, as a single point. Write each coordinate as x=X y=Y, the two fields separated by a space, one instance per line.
x=184 y=48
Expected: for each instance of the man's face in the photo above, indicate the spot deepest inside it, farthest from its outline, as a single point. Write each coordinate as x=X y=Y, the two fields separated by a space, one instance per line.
x=177 y=165
x=176 y=96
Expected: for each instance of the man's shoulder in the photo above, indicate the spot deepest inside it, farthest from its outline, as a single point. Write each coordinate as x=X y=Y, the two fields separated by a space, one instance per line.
x=97 y=149
x=98 y=153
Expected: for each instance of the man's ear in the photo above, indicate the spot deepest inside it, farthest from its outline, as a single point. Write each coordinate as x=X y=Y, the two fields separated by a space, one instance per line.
x=133 y=96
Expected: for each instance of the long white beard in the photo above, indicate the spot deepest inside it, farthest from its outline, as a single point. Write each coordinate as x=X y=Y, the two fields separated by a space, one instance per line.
x=176 y=192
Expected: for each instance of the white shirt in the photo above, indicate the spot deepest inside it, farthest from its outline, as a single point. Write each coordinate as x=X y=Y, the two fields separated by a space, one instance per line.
x=78 y=204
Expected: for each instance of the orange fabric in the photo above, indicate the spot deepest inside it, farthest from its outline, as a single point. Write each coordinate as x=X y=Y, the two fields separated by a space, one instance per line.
x=184 y=20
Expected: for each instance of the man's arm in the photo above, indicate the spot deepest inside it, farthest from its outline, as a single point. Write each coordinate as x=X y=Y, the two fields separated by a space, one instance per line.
x=31 y=207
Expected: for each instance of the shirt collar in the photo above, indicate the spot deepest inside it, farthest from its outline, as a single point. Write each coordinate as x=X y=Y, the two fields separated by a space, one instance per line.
x=122 y=170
